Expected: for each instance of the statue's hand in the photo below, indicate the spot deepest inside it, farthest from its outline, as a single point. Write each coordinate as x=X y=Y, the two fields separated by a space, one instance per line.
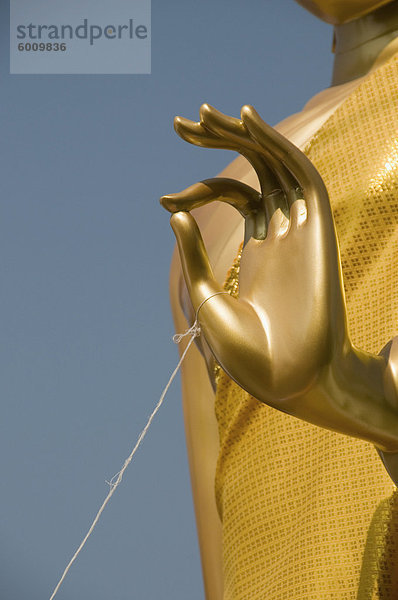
x=285 y=338
x=280 y=332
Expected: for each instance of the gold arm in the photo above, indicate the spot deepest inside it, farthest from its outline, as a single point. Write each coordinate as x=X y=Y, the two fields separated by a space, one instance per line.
x=285 y=340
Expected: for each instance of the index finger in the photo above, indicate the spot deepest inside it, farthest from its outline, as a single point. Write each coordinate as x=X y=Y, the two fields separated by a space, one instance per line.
x=239 y=195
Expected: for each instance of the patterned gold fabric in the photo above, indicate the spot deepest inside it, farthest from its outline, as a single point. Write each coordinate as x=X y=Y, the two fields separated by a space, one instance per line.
x=309 y=514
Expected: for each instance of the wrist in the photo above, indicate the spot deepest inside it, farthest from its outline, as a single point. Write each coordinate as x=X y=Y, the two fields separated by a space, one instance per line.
x=362 y=389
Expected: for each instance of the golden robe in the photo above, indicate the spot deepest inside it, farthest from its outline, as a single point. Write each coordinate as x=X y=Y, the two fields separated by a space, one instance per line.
x=309 y=514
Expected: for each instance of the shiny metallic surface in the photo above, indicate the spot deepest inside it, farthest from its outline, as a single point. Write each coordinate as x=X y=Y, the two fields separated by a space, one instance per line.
x=358 y=41
x=285 y=339
x=337 y=12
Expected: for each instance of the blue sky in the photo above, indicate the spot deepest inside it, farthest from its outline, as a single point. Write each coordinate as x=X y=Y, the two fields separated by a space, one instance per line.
x=85 y=325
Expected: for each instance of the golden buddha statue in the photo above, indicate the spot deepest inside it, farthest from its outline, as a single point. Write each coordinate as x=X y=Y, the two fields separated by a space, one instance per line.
x=307 y=386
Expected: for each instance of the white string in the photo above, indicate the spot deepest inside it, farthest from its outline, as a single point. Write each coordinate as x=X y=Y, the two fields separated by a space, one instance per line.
x=194 y=331
x=195 y=328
